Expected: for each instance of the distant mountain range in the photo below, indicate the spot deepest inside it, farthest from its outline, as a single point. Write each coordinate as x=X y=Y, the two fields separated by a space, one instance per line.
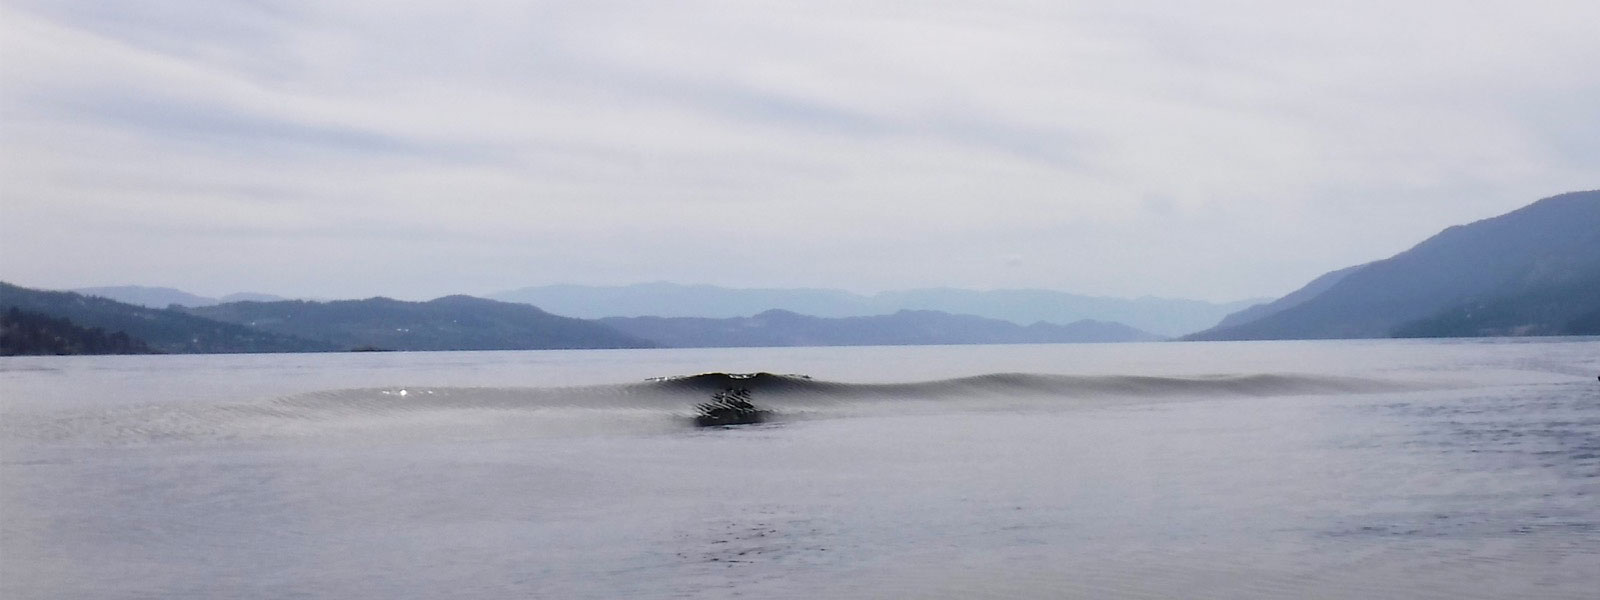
x=907 y=327
x=162 y=297
x=1533 y=271
x=1161 y=316
x=50 y=322
x=163 y=330
x=448 y=323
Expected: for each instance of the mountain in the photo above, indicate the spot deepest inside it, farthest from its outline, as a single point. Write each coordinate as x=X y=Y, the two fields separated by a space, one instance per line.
x=448 y=323
x=1533 y=271
x=165 y=330
x=906 y=327
x=1571 y=308
x=1158 y=315
x=25 y=333
x=248 y=297
x=663 y=299
x=1295 y=298
x=162 y=297
x=1163 y=316
x=149 y=297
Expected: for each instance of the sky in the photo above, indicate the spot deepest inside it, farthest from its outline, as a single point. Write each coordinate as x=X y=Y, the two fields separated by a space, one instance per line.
x=1207 y=150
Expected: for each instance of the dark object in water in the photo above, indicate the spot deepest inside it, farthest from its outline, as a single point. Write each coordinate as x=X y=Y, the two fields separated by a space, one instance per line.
x=728 y=407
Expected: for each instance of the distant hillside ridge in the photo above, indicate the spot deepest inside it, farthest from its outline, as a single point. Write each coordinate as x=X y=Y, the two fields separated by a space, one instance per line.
x=448 y=323
x=165 y=330
x=162 y=297
x=906 y=327
x=26 y=333
x=1169 y=317
x=1533 y=271
x=1569 y=308
x=1292 y=299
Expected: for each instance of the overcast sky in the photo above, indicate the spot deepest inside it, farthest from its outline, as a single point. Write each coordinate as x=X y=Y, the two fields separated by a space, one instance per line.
x=1209 y=150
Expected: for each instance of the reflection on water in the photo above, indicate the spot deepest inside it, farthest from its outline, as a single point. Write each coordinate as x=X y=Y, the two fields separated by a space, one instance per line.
x=1329 y=470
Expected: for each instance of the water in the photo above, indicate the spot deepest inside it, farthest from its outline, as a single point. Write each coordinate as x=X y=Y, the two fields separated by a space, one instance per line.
x=1399 y=469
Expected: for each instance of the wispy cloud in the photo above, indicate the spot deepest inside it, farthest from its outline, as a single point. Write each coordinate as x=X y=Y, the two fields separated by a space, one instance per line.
x=1218 y=149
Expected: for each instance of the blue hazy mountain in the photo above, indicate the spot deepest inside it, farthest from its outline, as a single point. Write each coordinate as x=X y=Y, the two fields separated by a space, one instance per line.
x=663 y=299
x=468 y=323
x=448 y=323
x=1292 y=299
x=249 y=297
x=1533 y=271
x=1157 y=315
x=164 y=330
x=906 y=327
x=162 y=297
x=1162 y=316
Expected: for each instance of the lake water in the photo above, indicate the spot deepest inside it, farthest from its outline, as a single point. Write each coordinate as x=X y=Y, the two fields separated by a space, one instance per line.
x=1330 y=469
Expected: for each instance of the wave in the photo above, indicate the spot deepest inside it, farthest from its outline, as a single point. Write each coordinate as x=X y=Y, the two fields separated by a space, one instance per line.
x=778 y=391
x=1000 y=384
x=658 y=404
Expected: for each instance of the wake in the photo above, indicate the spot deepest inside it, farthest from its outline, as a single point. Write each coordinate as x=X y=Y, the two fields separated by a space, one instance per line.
x=661 y=404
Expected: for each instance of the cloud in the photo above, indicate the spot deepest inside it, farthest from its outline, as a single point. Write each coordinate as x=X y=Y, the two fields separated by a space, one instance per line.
x=1122 y=148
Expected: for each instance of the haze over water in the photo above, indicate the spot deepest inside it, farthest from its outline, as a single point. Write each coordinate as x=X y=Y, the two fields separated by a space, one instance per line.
x=1333 y=469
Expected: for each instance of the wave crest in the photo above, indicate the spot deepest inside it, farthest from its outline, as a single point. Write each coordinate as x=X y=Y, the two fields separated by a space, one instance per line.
x=653 y=405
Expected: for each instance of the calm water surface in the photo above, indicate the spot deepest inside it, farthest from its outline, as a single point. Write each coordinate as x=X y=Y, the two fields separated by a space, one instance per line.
x=1395 y=469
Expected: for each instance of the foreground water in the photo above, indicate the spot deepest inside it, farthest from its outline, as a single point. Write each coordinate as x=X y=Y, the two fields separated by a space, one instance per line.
x=1397 y=469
